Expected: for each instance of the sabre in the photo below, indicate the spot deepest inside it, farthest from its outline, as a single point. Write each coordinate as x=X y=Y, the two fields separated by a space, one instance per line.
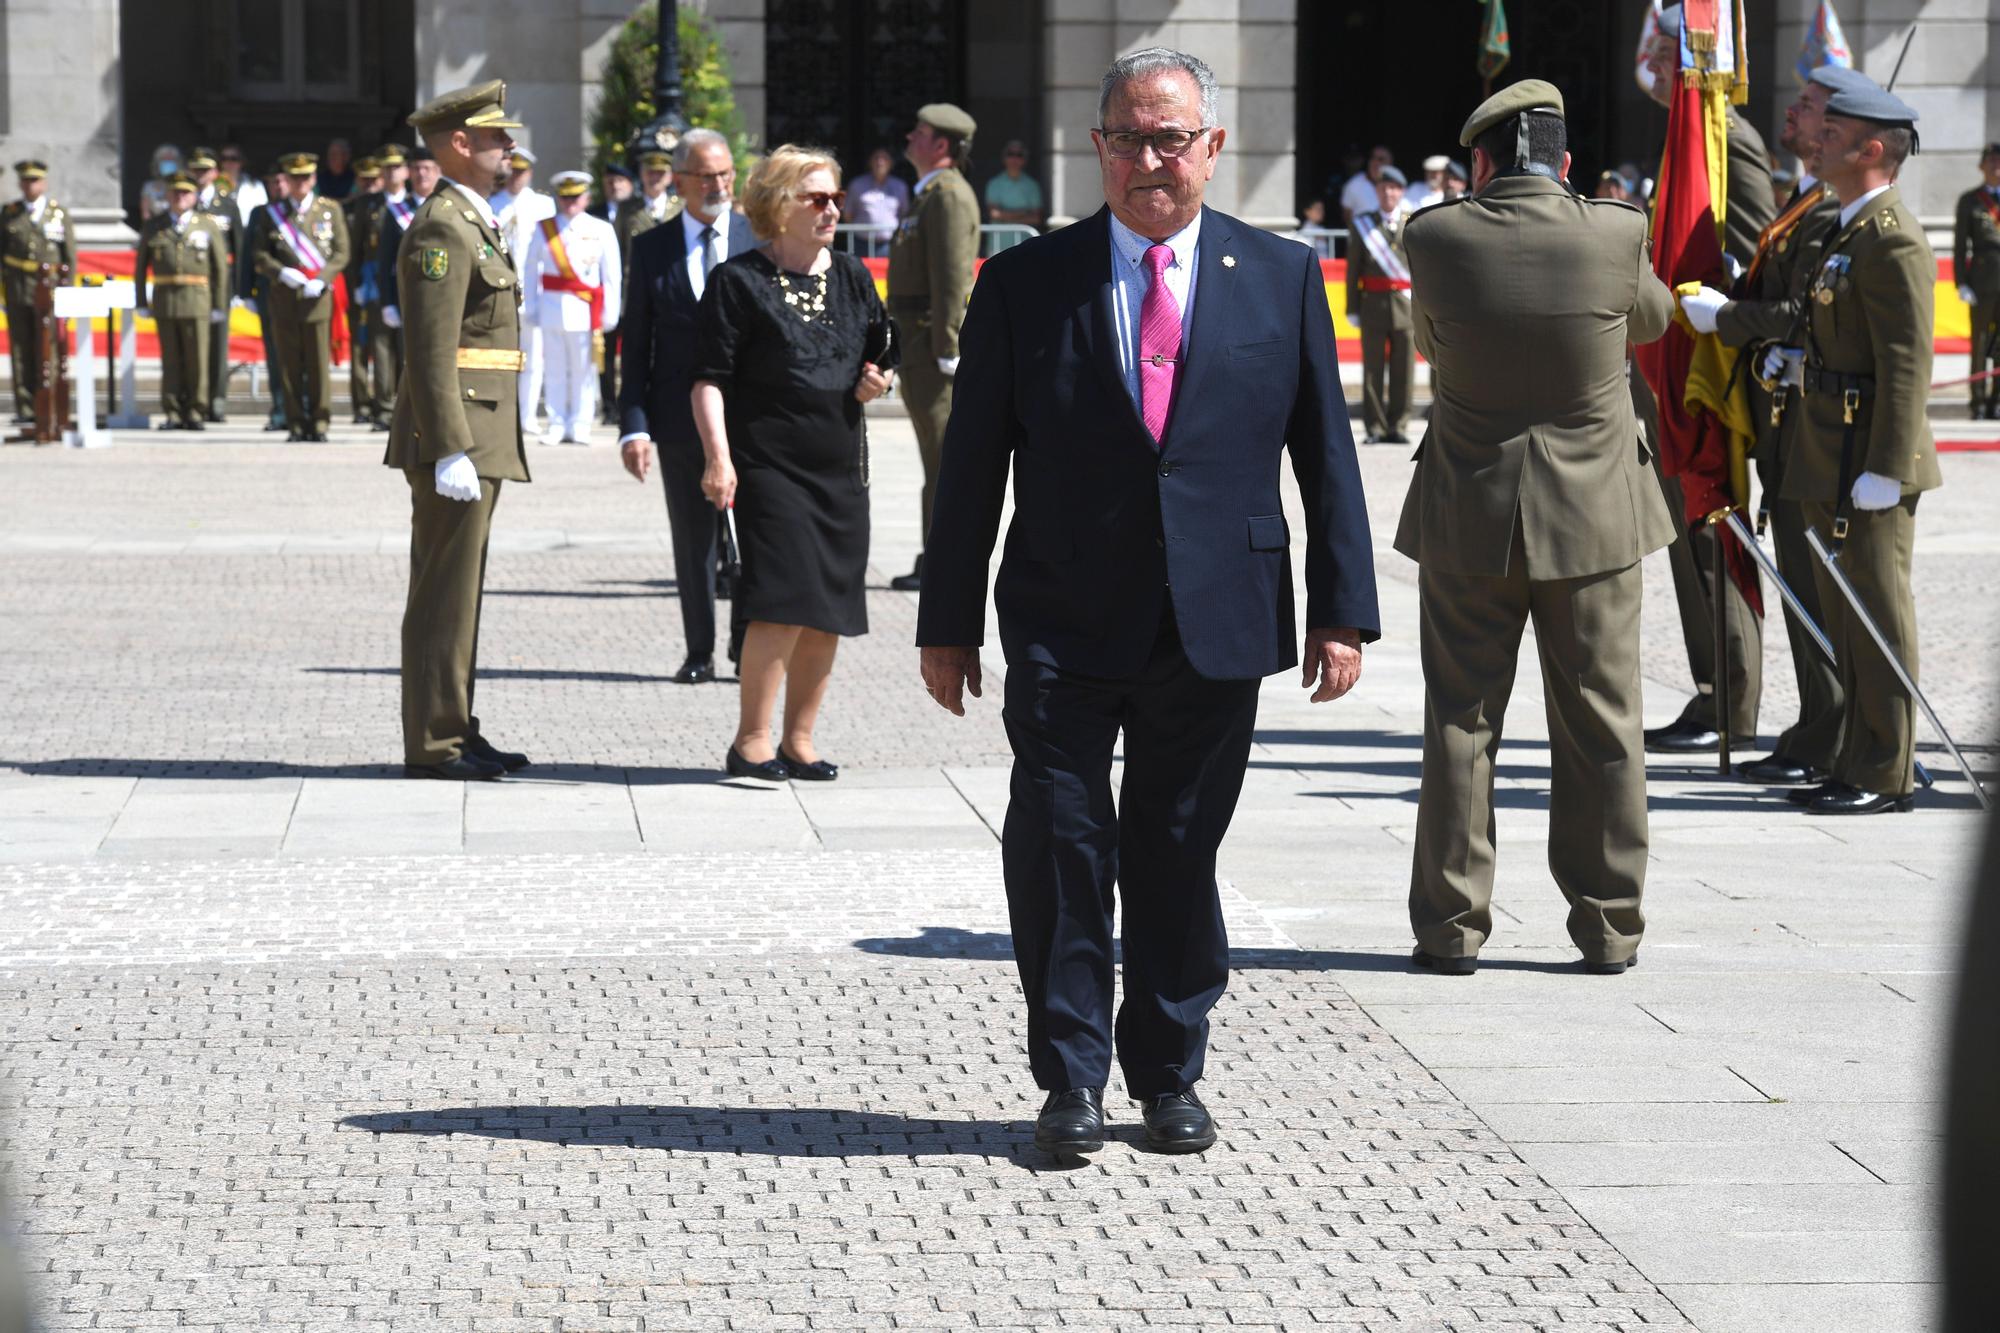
x=1770 y=566
x=1832 y=563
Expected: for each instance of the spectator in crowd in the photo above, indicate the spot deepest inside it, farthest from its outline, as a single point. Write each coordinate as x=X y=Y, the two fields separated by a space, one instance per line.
x=1430 y=189
x=257 y=287
x=792 y=341
x=1456 y=181
x=336 y=170
x=1358 y=195
x=247 y=192
x=1013 y=197
x=880 y=199
x=153 y=192
x=1611 y=185
x=615 y=186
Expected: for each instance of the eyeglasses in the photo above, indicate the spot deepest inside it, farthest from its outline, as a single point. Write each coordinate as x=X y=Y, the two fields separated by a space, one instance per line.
x=709 y=177
x=819 y=199
x=1167 y=143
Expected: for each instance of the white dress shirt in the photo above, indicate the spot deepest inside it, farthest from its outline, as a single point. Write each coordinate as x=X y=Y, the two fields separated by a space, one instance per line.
x=1848 y=211
x=1130 y=282
x=692 y=226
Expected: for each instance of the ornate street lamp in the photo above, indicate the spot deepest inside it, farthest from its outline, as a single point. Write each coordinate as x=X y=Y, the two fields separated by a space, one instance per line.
x=668 y=123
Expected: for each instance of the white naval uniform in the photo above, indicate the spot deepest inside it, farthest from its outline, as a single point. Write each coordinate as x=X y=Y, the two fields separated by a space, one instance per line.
x=563 y=318
x=516 y=215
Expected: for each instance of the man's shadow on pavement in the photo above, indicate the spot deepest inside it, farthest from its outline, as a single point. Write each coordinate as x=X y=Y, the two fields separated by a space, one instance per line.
x=996 y=946
x=740 y=1131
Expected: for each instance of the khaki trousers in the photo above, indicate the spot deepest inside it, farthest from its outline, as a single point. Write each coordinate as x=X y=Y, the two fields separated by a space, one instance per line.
x=1388 y=358
x=385 y=359
x=441 y=617
x=926 y=391
x=1587 y=632
x=1691 y=558
x=1878 y=740
x=183 y=368
x=1815 y=738
x=305 y=367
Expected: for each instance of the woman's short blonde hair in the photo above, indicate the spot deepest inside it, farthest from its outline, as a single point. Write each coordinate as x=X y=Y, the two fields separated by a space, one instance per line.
x=768 y=196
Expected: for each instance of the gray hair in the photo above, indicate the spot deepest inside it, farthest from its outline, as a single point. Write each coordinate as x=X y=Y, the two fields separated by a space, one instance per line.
x=692 y=142
x=1158 y=60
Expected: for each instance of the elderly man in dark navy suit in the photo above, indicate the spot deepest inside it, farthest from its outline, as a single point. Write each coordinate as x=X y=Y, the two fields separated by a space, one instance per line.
x=1143 y=371
x=668 y=272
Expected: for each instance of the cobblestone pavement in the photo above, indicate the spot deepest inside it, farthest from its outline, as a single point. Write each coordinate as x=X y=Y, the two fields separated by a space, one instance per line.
x=704 y=1140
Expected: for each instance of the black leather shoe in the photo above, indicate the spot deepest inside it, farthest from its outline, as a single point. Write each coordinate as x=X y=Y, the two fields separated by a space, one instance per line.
x=381 y=423
x=194 y=423
x=1071 y=1122
x=460 y=768
x=912 y=581
x=1777 y=770
x=1681 y=737
x=1807 y=795
x=1609 y=969
x=317 y=437
x=817 y=771
x=1178 y=1122
x=482 y=748
x=1451 y=967
x=1837 y=798
x=695 y=671
x=771 y=770
x=168 y=424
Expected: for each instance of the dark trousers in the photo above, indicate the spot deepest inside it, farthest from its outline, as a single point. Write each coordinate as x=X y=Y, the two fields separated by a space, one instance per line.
x=271 y=367
x=1985 y=350
x=692 y=520
x=1692 y=560
x=1065 y=846
x=217 y=405
x=183 y=368
x=24 y=345
x=607 y=380
x=441 y=618
x=1388 y=357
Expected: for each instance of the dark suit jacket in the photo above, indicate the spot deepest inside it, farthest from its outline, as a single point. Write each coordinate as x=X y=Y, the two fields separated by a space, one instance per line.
x=1106 y=525
x=386 y=249
x=657 y=330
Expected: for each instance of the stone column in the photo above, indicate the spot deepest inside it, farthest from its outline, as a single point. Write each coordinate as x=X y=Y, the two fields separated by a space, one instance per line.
x=1950 y=77
x=1250 y=46
x=60 y=62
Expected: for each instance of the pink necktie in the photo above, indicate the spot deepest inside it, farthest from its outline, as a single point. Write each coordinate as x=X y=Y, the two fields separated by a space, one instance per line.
x=1159 y=344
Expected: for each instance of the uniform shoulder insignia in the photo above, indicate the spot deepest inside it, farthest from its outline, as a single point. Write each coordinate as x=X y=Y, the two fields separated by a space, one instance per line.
x=1618 y=203
x=1886 y=220
x=14 y=207
x=1438 y=207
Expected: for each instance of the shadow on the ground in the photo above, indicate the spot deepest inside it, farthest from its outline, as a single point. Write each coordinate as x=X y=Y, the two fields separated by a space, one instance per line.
x=89 y=766
x=995 y=946
x=508 y=673
x=740 y=1131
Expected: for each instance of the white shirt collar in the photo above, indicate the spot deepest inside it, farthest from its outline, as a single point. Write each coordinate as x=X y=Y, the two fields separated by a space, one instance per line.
x=656 y=204
x=929 y=176
x=398 y=197
x=1132 y=247
x=692 y=226
x=1806 y=182
x=40 y=206
x=180 y=220
x=478 y=202
x=1848 y=211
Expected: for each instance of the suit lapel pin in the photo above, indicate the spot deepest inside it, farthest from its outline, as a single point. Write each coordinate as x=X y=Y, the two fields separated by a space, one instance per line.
x=1229 y=261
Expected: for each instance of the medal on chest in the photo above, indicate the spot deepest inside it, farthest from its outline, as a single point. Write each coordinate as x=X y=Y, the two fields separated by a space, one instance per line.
x=1832 y=278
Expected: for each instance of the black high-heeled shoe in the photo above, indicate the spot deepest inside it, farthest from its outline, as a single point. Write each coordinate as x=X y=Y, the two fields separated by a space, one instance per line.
x=771 y=770
x=817 y=771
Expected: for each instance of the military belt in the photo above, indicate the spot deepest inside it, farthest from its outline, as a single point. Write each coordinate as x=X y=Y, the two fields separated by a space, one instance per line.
x=178 y=279
x=490 y=358
x=1852 y=389
x=1820 y=380
x=25 y=265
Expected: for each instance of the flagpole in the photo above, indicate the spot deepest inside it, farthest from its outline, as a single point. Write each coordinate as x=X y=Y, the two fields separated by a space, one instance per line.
x=1903 y=55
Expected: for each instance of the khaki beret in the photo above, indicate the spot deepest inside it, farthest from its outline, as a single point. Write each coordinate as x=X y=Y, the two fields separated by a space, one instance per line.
x=1511 y=101
x=948 y=119
x=483 y=105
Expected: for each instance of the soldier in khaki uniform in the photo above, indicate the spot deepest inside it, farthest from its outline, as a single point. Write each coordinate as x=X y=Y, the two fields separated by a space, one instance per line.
x=301 y=250
x=652 y=205
x=35 y=231
x=181 y=272
x=1532 y=501
x=1975 y=261
x=1865 y=451
x=1749 y=208
x=215 y=199
x=1378 y=303
x=930 y=278
x=1767 y=321
x=356 y=210
x=457 y=430
x=385 y=341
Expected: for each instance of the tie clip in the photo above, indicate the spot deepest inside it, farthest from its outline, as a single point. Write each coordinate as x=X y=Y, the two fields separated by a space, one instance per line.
x=1157 y=361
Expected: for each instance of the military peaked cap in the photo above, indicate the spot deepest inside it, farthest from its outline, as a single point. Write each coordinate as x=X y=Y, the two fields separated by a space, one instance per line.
x=183 y=182
x=31 y=169
x=367 y=167
x=299 y=164
x=390 y=155
x=481 y=105
x=1509 y=102
x=656 y=159
x=201 y=159
x=948 y=119
x=570 y=184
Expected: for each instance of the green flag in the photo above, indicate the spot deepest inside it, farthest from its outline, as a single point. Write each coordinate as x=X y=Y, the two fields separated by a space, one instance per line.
x=1495 y=48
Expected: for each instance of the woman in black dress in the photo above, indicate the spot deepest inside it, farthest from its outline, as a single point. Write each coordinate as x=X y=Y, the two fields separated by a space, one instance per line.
x=793 y=340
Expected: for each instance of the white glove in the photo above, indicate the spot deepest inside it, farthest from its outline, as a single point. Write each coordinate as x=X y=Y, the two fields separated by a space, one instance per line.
x=217 y=316
x=1874 y=491
x=949 y=365
x=312 y=289
x=292 y=277
x=1354 y=318
x=1787 y=365
x=1965 y=294
x=392 y=317
x=1700 y=308
x=457 y=478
